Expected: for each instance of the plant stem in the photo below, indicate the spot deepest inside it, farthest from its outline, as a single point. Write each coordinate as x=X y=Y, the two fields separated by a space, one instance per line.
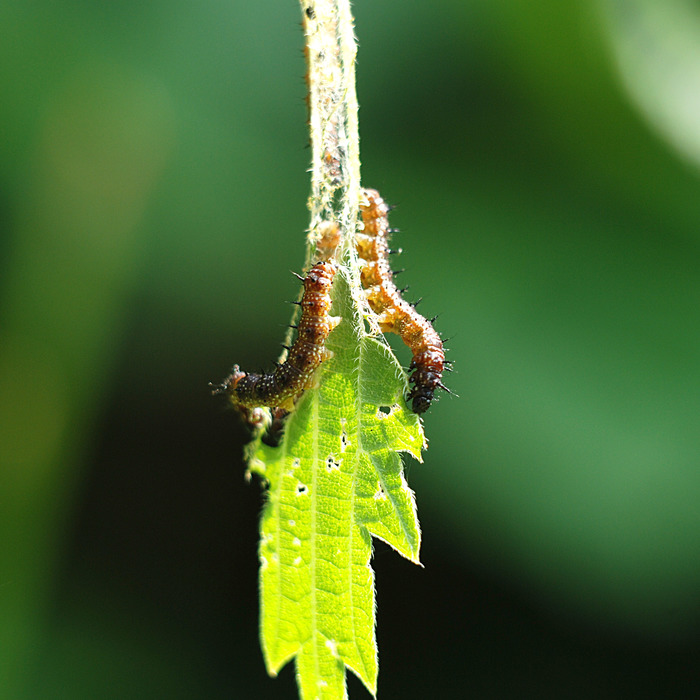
x=331 y=49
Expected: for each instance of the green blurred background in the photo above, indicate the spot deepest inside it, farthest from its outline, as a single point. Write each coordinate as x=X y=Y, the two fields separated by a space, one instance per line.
x=544 y=157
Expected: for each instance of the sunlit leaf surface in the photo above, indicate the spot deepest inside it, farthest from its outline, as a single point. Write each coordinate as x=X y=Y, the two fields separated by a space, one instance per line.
x=336 y=480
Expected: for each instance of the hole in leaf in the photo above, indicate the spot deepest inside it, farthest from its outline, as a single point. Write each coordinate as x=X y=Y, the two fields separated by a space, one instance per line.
x=331 y=464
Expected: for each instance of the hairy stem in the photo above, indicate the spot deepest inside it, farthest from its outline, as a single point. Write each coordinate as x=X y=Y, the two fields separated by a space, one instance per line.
x=331 y=49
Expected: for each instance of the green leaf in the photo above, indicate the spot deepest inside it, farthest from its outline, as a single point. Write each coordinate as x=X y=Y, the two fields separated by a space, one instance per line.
x=335 y=480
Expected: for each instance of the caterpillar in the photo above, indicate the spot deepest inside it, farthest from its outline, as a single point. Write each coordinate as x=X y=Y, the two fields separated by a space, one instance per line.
x=395 y=314
x=282 y=387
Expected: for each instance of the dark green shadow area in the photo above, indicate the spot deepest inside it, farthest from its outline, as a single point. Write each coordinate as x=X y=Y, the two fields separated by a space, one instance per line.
x=152 y=201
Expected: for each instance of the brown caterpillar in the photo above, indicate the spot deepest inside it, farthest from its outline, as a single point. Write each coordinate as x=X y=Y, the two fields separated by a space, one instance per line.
x=285 y=385
x=395 y=314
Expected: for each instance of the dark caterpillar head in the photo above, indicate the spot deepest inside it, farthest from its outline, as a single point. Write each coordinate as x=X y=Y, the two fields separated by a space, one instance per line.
x=420 y=398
